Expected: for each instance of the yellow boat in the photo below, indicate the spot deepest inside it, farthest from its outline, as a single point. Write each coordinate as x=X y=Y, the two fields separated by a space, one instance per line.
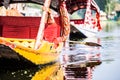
x=37 y=39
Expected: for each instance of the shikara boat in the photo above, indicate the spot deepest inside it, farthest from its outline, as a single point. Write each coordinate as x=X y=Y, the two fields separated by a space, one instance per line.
x=38 y=40
x=87 y=21
x=35 y=39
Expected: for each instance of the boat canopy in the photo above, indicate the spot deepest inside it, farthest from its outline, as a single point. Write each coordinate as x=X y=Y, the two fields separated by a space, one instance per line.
x=72 y=5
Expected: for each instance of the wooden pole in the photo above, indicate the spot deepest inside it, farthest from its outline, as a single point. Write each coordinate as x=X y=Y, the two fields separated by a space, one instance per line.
x=42 y=24
x=88 y=15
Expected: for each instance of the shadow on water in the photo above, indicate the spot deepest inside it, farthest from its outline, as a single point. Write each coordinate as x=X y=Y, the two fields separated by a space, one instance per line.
x=23 y=73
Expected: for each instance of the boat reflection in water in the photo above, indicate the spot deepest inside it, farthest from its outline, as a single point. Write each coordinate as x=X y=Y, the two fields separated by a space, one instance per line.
x=79 y=63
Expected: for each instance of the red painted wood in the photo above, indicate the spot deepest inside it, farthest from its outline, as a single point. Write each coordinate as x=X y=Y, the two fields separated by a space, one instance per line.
x=25 y=27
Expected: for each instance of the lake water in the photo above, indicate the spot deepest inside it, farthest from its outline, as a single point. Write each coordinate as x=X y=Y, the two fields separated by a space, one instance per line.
x=110 y=40
x=104 y=66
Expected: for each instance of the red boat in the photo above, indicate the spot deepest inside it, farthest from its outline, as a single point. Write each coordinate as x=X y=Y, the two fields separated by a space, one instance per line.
x=35 y=38
x=87 y=19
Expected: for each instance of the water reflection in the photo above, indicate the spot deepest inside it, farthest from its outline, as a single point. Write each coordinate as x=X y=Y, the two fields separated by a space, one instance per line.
x=48 y=73
x=79 y=61
x=23 y=74
x=79 y=73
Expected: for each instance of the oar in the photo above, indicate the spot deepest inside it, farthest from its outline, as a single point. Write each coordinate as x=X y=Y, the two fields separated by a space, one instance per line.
x=86 y=43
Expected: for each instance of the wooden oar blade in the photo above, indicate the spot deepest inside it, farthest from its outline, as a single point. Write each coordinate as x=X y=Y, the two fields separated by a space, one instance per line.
x=92 y=44
x=86 y=43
